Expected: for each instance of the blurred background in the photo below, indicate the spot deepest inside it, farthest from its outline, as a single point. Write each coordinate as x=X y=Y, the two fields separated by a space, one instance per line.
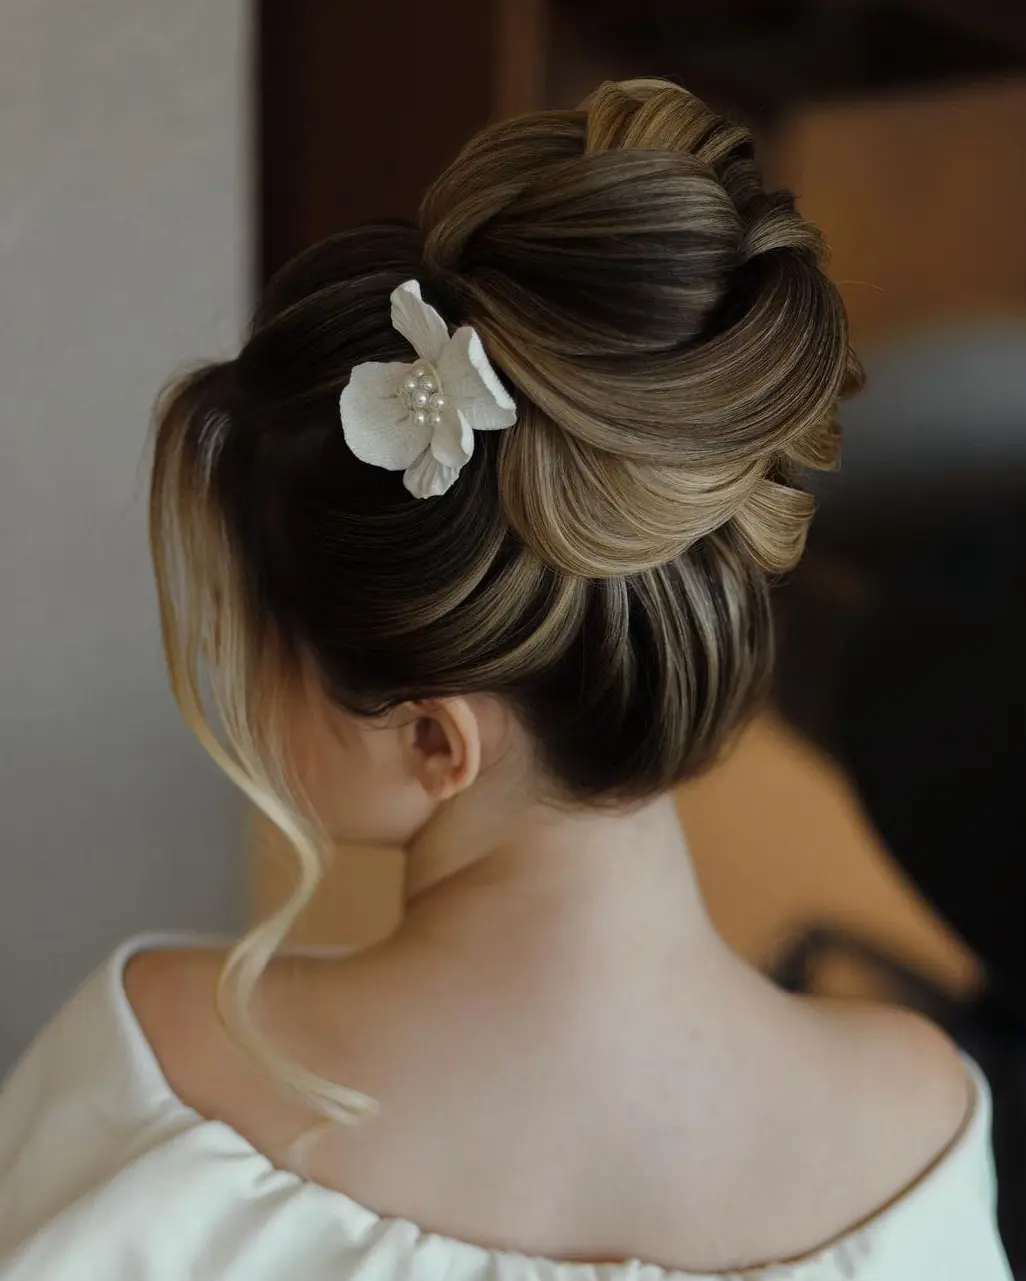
x=158 y=162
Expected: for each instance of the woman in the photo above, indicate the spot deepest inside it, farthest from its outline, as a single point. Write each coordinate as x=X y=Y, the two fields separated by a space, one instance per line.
x=472 y=543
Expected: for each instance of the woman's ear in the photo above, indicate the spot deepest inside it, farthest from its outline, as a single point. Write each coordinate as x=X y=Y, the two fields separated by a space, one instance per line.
x=444 y=746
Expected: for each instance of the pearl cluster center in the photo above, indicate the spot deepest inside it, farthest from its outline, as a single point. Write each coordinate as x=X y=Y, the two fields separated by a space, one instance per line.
x=422 y=395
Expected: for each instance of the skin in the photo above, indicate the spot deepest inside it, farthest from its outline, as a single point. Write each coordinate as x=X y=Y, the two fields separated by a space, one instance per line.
x=570 y=1062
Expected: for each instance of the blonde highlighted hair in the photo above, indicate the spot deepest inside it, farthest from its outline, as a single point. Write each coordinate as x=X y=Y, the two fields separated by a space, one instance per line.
x=676 y=353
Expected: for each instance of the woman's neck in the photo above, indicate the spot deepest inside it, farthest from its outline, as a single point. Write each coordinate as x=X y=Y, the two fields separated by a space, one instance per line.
x=473 y=879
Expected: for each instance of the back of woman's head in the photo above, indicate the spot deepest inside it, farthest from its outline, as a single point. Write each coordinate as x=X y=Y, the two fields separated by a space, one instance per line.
x=675 y=353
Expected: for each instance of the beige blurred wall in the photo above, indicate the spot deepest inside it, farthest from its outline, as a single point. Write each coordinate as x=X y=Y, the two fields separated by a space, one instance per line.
x=923 y=202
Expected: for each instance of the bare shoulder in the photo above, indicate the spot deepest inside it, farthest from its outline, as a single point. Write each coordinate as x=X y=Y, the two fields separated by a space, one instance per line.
x=903 y=1089
x=859 y=1101
x=915 y=1066
x=173 y=994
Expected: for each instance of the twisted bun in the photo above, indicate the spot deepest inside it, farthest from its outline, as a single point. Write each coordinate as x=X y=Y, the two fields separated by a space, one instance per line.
x=677 y=349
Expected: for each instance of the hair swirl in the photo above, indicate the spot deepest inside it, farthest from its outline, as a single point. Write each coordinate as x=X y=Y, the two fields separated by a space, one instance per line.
x=677 y=346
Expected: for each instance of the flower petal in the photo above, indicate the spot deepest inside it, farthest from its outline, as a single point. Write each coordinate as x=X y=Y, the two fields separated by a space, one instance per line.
x=376 y=423
x=472 y=385
x=452 y=441
x=428 y=478
x=418 y=322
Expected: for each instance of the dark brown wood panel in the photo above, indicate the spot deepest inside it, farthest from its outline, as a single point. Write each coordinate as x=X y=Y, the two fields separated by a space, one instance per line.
x=362 y=105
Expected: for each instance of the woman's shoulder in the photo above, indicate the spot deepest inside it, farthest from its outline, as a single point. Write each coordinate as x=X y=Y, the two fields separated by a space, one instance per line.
x=896 y=1098
x=917 y=1112
x=83 y=1100
x=104 y=1167
x=94 y=1056
x=172 y=992
x=903 y=1070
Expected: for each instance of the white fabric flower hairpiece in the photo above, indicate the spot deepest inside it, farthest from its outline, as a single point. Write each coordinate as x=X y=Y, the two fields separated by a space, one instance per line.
x=421 y=418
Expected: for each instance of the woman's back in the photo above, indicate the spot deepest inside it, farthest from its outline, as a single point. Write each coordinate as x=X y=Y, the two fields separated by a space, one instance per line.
x=677 y=1137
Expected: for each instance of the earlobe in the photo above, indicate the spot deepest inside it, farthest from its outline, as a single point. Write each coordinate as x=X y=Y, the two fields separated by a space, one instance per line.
x=446 y=746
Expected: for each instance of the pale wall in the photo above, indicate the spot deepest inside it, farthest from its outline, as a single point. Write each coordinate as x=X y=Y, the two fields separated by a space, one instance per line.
x=124 y=204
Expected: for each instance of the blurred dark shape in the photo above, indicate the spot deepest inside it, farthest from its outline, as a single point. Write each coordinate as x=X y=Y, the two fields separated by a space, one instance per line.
x=932 y=728
x=903 y=659
x=931 y=724
x=903 y=635
x=942 y=420
x=345 y=138
x=938 y=435
x=762 y=56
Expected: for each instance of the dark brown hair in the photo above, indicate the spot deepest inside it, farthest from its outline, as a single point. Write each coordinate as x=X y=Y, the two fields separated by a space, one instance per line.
x=676 y=354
